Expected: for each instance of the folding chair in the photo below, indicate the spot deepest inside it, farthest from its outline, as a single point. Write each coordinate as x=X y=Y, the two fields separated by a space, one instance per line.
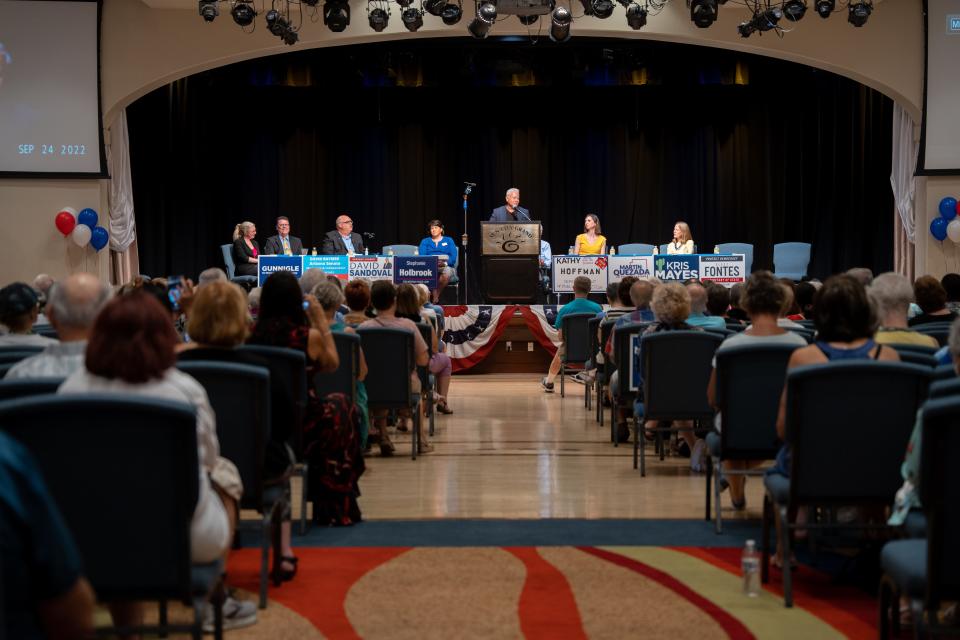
x=576 y=339
x=24 y=387
x=602 y=379
x=627 y=367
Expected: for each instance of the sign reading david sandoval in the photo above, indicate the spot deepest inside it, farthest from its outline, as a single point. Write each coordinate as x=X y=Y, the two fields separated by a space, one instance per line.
x=371 y=267
x=416 y=270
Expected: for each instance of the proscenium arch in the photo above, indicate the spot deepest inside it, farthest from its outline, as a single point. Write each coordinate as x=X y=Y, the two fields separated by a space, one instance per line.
x=145 y=48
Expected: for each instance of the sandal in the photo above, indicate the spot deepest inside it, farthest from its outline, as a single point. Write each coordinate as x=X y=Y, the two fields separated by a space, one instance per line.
x=285 y=575
x=386 y=449
x=443 y=408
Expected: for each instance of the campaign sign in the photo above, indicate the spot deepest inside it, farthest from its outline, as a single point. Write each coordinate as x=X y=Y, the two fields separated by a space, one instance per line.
x=676 y=268
x=619 y=267
x=371 y=267
x=635 y=364
x=268 y=265
x=723 y=269
x=335 y=265
x=416 y=270
x=567 y=268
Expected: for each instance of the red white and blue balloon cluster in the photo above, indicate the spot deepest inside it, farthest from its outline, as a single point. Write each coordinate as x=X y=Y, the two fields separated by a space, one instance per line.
x=82 y=227
x=948 y=224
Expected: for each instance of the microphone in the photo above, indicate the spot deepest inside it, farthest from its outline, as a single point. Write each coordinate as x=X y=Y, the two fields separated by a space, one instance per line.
x=472 y=184
x=369 y=234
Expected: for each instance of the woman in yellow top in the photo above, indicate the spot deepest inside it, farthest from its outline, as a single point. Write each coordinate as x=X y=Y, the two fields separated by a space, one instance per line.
x=590 y=242
x=682 y=240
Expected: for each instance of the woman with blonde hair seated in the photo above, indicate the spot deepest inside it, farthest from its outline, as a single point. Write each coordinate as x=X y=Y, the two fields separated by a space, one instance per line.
x=682 y=239
x=245 y=249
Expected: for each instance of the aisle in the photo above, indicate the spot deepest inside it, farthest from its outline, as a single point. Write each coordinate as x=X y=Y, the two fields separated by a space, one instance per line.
x=512 y=451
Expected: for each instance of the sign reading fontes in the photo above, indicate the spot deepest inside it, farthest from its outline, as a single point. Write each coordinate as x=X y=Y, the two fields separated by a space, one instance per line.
x=511 y=238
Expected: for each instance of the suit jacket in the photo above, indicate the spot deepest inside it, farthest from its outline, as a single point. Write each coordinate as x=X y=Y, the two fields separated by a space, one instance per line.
x=333 y=244
x=274 y=246
x=500 y=215
x=241 y=252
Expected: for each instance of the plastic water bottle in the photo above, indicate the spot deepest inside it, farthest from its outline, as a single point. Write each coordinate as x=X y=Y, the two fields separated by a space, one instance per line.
x=716 y=248
x=613 y=251
x=390 y=252
x=314 y=252
x=366 y=251
x=750 y=565
x=656 y=250
x=416 y=252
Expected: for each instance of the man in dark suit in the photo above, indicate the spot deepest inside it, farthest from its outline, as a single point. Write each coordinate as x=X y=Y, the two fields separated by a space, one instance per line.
x=343 y=240
x=283 y=243
x=512 y=211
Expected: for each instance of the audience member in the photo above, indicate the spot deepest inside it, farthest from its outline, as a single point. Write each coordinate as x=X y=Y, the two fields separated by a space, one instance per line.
x=19 y=309
x=951 y=284
x=762 y=299
x=892 y=294
x=698 y=305
x=845 y=322
x=433 y=313
x=790 y=312
x=131 y=351
x=45 y=594
x=357 y=295
x=253 y=302
x=736 y=312
x=862 y=275
x=213 y=274
x=804 y=292
x=383 y=297
x=718 y=301
x=41 y=284
x=932 y=299
x=311 y=278
x=409 y=306
x=72 y=308
x=579 y=304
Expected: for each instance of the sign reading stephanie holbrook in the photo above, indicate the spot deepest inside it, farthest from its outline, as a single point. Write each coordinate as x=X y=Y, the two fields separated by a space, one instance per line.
x=371 y=267
x=726 y=270
x=619 y=267
x=416 y=270
x=510 y=238
x=268 y=265
x=567 y=268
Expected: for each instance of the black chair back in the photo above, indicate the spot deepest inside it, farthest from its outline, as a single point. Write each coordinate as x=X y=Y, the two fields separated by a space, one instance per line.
x=124 y=472
x=13 y=355
x=939 y=330
x=807 y=334
x=289 y=366
x=723 y=333
x=750 y=380
x=593 y=328
x=848 y=424
x=915 y=348
x=390 y=361
x=940 y=495
x=736 y=327
x=344 y=379
x=45 y=330
x=240 y=397
x=944 y=372
x=938 y=388
x=625 y=353
x=576 y=336
x=676 y=369
x=24 y=387
x=915 y=357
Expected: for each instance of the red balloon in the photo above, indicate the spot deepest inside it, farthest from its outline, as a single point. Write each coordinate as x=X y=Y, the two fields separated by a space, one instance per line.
x=65 y=222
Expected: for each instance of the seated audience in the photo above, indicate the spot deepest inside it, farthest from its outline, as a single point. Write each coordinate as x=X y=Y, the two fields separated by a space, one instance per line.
x=41 y=284
x=932 y=299
x=579 y=304
x=718 y=302
x=804 y=292
x=72 y=307
x=951 y=284
x=19 y=309
x=311 y=278
x=131 y=351
x=618 y=295
x=383 y=297
x=698 y=307
x=409 y=306
x=433 y=313
x=357 y=296
x=641 y=292
x=762 y=299
x=791 y=312
x=892 y=294
x=253 y=302
x=736 y=312
x=845 y=322
x=862 y=275
x=45 y=594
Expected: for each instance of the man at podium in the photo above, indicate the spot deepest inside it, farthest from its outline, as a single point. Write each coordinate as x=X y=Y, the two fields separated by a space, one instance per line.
x=511 y=211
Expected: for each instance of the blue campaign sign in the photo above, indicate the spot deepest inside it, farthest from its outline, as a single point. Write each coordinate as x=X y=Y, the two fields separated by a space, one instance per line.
x=267 y=265
x=336 y=265
x=676 y=268
x=635 y=364
x=416 y=270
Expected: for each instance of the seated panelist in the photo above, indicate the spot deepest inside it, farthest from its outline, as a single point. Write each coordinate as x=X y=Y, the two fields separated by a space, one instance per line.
x=343 y=240
x=590 y=242
x=283 y=244
x=245 y=249
x=682 y=239
x=445 y=249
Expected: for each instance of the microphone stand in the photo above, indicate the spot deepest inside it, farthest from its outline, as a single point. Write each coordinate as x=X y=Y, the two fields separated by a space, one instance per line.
x=463 y=241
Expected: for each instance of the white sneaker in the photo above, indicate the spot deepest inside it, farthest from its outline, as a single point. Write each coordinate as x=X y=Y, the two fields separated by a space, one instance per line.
x=236 y=614
x=698 y=457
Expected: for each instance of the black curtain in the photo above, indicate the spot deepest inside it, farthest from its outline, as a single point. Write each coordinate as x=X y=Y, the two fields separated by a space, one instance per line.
x=744 y=148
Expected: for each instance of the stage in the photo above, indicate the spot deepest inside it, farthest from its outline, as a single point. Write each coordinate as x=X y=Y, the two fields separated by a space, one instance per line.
x=508 y=338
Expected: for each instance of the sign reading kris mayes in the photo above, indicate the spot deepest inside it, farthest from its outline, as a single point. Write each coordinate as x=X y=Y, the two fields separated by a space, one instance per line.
x=416 y=270
x=682 y=267
x=267 y=265
x=567 y=268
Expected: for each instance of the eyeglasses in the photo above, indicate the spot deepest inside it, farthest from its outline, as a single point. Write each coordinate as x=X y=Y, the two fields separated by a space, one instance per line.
x=345 y=222
x=283 y=226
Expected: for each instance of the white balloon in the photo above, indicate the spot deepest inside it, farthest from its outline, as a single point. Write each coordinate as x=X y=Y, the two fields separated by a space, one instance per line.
x=953 y=230
x=81 y=235
x=71 y=211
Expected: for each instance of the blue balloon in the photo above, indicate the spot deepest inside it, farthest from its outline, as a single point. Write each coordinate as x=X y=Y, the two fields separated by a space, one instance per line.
x=88 y=217
x=948 y=208
x=939 y=228
x=99 y=238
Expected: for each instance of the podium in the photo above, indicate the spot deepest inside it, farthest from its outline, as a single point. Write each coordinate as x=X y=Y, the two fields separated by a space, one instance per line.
x=510 y=260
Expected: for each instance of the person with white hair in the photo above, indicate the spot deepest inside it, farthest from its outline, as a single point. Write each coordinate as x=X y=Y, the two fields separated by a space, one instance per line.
x=511 y=211
x=698 y=308
x=253 y=302
x=891 y=293
x=213 y=274
x=310 y=279
x=73 y=306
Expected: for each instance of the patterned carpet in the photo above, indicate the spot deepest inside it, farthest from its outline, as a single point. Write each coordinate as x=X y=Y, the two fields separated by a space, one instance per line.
x=542 y=592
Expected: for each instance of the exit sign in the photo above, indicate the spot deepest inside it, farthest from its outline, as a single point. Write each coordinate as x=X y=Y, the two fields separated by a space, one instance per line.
x=953 y=24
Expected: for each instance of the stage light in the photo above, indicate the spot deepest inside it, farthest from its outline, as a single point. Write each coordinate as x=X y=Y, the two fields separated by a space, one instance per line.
x=794 y=10
x=703 y=13
x=336 y=15
x=859 y=12
x=209 y=10
x=602 y=9
x=560 y=24
x=434 y=7
x=280 y=27
x=378 y=18
x=636 y=17
x=768 y=18
x=243 y=12
x=412 y=18
x=528 y=20
x=825 y=7
x=746 y=29
x=451 y=14
x=479 y=27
